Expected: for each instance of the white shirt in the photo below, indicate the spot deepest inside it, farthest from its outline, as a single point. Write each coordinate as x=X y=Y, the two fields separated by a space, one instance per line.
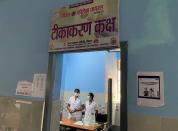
x=75 y=104
x=90 y=112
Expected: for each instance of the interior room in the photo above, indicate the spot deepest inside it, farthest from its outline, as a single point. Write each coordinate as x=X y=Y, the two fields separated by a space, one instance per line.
x=89 y=72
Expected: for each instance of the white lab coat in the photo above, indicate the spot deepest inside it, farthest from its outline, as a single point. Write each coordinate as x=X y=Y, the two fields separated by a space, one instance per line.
x=90 y=112
x=75 y=104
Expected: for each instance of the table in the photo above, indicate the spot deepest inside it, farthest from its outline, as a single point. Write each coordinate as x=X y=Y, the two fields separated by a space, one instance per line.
x=71 y=124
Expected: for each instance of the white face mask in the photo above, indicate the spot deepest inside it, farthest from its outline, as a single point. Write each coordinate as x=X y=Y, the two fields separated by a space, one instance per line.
x=76 y=94
x=88 y=97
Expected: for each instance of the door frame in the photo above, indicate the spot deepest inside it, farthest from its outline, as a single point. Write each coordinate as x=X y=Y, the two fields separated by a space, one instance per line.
x=123 y=109
x=50 y=83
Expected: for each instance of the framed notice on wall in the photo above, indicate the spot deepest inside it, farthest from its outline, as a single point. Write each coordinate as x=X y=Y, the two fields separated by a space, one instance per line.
x=90 y=25
x=150 y=89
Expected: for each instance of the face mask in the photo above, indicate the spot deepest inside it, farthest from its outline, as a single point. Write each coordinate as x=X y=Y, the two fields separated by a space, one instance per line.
x=88 y=97
x=77 y=94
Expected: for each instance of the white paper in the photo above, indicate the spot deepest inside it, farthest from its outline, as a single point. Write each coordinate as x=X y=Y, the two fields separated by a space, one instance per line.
x=24 y=88
x=150 y=88
x=79 y=123
x=39 y=85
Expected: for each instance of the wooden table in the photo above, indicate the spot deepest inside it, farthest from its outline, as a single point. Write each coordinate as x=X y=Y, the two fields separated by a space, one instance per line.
x=71 y=124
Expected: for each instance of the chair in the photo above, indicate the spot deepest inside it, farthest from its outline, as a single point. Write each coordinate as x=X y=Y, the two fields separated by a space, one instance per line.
x=114 y=128
x=102 y=119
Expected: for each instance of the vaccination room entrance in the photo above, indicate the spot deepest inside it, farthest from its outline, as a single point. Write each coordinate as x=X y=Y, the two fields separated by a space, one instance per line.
x=87 y=69
x=89 y=91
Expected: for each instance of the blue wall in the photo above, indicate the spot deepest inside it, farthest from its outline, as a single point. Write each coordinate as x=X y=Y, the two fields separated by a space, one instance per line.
x=85 y=71
x=24 y=36
x=151 y=28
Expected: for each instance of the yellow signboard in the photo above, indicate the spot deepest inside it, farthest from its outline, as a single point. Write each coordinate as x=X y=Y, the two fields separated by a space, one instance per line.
x=89 y=25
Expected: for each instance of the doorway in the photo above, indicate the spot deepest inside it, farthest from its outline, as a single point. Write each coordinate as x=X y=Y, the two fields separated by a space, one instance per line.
x=71 y=74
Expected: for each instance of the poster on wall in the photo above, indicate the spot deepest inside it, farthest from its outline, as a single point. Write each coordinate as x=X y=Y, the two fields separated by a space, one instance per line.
x=89 y=25
x=24 y=88
x=150 y=89
x=39 y=85
x=33 y=89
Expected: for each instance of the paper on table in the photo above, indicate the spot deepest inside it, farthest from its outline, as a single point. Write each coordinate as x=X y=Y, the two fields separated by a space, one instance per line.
x=78 y=123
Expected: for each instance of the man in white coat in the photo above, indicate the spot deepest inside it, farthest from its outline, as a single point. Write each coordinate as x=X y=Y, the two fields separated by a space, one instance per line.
x=75 y=106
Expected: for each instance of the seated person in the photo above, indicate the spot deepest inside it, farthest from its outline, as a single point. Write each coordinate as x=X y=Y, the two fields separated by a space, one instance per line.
x=90 y=109
x=75 y=106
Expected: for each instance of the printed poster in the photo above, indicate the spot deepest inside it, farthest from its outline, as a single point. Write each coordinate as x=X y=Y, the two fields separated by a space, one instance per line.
x=150 y=89
x=24 y=88
x=39 y=85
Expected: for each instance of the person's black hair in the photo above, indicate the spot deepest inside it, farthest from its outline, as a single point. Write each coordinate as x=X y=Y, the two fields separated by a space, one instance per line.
x=77 y=90
x=91 y=95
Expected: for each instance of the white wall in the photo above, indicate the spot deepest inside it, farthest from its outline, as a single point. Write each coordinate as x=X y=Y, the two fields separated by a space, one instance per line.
x=113 y=71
